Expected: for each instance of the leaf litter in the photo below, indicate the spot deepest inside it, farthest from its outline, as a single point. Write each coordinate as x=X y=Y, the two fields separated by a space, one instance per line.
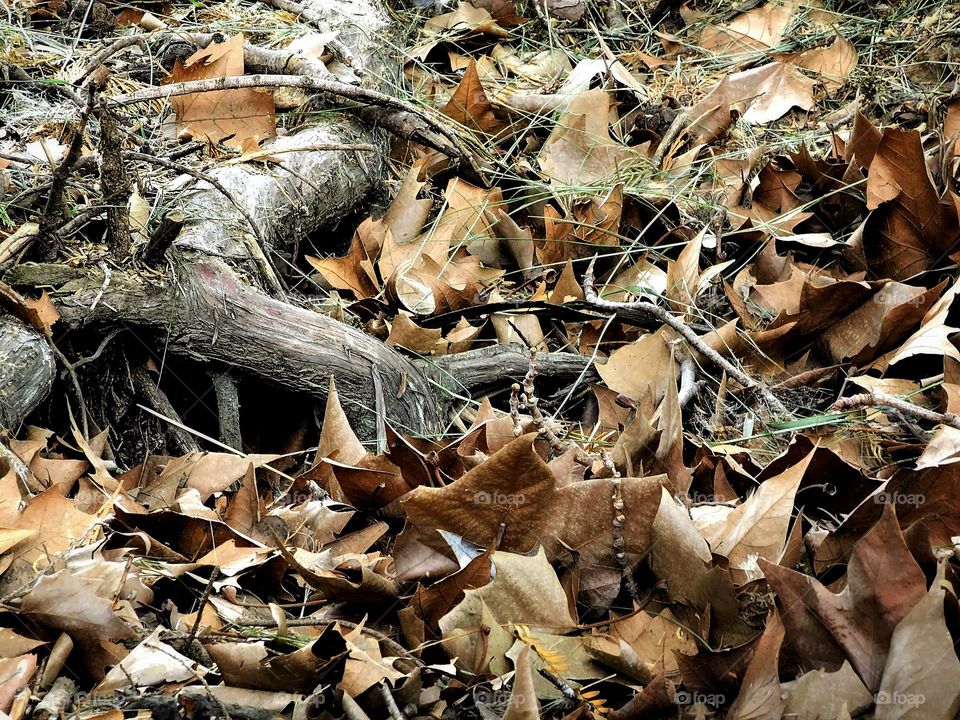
x=650 y=542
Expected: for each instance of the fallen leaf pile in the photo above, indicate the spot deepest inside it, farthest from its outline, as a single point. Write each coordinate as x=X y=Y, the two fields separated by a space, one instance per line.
x=654 y=540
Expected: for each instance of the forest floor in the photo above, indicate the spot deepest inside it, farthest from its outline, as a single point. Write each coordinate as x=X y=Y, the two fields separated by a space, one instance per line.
x=565 y=360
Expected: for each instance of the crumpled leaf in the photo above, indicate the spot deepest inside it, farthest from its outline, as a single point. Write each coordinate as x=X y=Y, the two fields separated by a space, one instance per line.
x=762 y=94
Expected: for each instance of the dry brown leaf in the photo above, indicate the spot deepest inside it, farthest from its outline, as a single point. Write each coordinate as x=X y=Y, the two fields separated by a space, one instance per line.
x=470 y=107
x=833 y=64
x=756 y=29
x=762 y=94
x=82 y=608
x=580 y=150
x=639 y=370
x=922 y=675
x=820 y=694
x=909 y=229
x=757 y=528
x=516 y=489
x=759 y=697
x=523 y=703
x=232 y=116
x=884 y=583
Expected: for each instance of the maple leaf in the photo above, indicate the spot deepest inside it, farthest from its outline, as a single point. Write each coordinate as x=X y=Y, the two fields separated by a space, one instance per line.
x=514 y=497
x=884 y=583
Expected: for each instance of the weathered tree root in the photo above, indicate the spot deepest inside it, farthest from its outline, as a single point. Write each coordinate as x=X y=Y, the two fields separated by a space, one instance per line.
x=206 y=314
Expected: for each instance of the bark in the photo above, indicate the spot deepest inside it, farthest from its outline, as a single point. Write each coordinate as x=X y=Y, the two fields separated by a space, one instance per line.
x=207 y=315
x=27 y=369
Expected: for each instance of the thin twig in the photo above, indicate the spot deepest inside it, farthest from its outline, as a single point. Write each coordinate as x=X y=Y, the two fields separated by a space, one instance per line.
x=678 y=124
x=112 y=49
x=214 y=574
x=340 y=89
x=878 y=397
x=687 y=333
x=53 y=211
x=688 y=380
x=389 y=643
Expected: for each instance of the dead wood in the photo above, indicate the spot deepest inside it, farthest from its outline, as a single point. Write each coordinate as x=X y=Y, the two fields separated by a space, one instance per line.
x=207 y=314
x=27 y=369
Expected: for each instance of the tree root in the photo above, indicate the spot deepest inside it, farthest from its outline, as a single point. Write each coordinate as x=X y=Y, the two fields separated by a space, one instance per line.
x=208 y=315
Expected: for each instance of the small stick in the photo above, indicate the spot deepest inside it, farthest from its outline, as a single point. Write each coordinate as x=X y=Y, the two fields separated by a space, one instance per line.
x=679 y=122
x=333 y=87
x=53 y=211
x=515 y=409
x=568 y=692
x=878 y=397
x=688 y=380
x=228 y=408
x=686 y=332
x=112 y=49
x=148 y=389
x=389 y=643
x=214 y=574
x=390 y=702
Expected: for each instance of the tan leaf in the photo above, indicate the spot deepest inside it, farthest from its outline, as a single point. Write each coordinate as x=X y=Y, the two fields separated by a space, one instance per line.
x=833 y=64
x=756 y=29
x=232 y=116
x=762 y=94
x=757 y=528
x=580 y=150
x=922 y=675
x=470 y=107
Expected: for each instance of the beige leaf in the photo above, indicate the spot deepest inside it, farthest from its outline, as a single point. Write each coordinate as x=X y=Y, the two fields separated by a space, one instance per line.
x=922 y=677
x=762 y=94
x=238 y=114
x=756 y=29
x=580 y=150
x=523 y=704
x=758 y=527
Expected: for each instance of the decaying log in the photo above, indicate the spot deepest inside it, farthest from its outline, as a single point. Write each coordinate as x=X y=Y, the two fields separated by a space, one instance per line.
x=27 y=369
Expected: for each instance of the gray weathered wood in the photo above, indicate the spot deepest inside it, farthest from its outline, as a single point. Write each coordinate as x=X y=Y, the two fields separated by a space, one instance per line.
x=27 y=369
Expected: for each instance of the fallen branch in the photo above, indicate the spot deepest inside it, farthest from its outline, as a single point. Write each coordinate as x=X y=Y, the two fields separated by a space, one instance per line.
x=878 y=397
x=255 y=249
x=684 y=331
x=27 y=369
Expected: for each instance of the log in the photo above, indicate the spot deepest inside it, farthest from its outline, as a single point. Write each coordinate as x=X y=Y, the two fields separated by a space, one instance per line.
x=27 y=369
x=309 y=189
